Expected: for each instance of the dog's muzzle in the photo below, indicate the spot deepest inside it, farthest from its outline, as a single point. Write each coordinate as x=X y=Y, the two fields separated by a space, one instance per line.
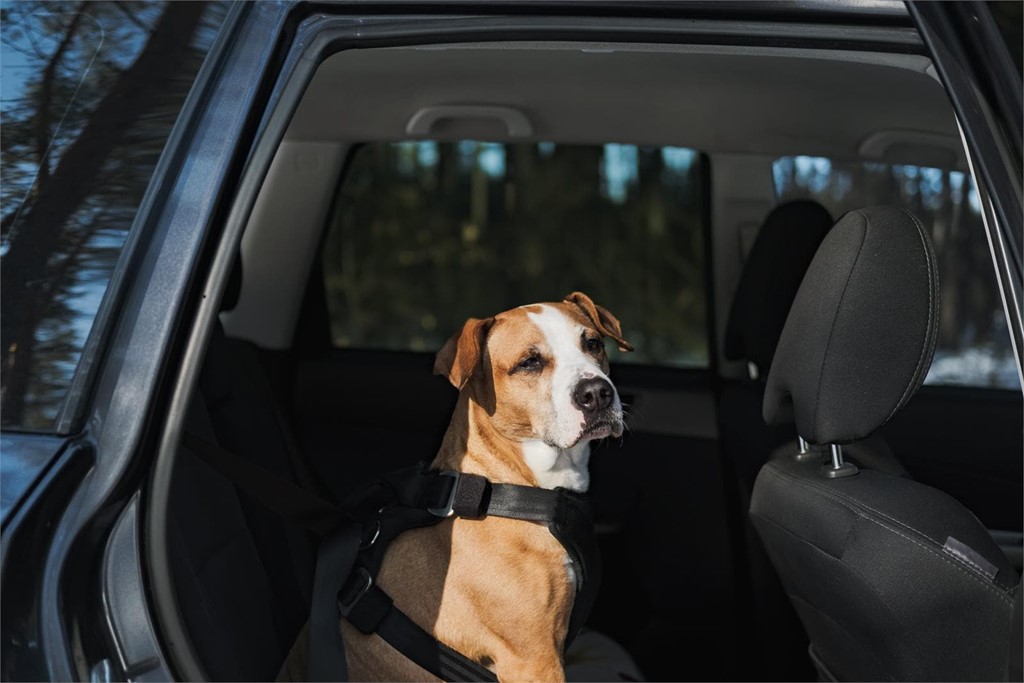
x=595 y=398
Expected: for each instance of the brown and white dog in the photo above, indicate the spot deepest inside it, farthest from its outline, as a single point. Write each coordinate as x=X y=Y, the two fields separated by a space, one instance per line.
x=533 y=393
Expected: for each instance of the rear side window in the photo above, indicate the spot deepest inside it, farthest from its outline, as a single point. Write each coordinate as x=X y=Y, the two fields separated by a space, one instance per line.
x=89 y=93
x=425 y=235
x=973 y=348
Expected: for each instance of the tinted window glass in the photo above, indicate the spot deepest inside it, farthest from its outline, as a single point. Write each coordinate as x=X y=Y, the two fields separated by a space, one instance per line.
x=425 y=235
x=974 y=344
x=90 y=92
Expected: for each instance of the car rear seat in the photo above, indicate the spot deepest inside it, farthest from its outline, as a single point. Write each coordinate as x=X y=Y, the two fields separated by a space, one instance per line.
x=243 y=575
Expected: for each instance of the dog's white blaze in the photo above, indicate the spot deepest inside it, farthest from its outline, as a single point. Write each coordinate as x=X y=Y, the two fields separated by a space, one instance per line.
x=571 y=365
x=560 y=458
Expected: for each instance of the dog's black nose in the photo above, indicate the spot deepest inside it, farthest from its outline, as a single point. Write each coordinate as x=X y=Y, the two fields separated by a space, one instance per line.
x=593 y=395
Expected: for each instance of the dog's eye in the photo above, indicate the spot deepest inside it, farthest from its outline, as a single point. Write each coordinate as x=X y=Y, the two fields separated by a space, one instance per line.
x=593 y=345
x=531 y=363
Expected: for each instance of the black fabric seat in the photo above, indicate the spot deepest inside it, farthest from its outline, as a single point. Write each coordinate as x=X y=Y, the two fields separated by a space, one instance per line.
x=778 y=259
x=224 y=592
x=892 y=579
x=775 y=266
x=243 y=575
x=771 y=275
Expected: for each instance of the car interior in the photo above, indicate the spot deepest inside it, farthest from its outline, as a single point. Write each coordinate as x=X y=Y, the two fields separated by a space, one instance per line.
x=295 y=380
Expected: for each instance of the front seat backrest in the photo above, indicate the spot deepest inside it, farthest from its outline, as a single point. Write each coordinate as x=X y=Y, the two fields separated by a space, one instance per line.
x=861 y=332
x=771 y=275
x=776 y=264
x=778 y=260
x=892 y=579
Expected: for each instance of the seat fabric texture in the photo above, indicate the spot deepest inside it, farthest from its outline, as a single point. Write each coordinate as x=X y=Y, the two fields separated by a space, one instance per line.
x=243 y=575
x=892 y=579
x=774 y=268
x=865 y=562
x=771 y=278
x=873 y=285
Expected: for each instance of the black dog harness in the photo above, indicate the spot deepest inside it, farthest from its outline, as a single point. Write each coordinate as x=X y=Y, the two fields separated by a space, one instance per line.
x=350 y=559
x=356 y=535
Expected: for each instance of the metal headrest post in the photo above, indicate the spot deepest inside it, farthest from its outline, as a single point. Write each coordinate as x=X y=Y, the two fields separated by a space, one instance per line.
x=837 y=468
x=805 y=453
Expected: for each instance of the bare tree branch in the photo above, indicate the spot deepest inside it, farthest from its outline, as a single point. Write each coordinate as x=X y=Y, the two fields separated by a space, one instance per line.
x=30 y=33
x=23 y=51
x=131 y=17
x=43 y=131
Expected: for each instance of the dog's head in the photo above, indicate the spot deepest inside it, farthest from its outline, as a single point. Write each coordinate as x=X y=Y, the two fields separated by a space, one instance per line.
x=540 y=371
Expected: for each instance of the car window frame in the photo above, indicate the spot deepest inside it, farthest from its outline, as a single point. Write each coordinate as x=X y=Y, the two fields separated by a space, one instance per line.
x=959 y=36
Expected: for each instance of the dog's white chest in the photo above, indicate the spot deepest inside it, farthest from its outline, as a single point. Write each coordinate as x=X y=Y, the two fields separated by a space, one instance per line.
x=558 y=467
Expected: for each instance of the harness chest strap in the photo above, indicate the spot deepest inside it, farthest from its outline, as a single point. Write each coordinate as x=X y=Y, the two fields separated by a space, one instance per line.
x=423 y=498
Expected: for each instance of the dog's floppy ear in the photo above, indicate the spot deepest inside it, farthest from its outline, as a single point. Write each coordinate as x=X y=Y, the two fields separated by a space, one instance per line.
x=460 y=356
x=605 y=323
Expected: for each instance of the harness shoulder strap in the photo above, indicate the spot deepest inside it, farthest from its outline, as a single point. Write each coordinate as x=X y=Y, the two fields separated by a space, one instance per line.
x=335 y=561
x=371 y=610
x=574 y=529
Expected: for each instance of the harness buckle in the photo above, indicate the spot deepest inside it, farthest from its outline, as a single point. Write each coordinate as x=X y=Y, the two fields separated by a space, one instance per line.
x=446 y=511
x=366 y=543
x=367 y=540
x=347 y=597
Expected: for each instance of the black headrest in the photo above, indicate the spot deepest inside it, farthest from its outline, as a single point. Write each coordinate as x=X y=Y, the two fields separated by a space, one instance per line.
x=861 y=333
x=777 y=262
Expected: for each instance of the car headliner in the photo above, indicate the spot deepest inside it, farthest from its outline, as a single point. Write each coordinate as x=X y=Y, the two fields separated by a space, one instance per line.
x=749 y=100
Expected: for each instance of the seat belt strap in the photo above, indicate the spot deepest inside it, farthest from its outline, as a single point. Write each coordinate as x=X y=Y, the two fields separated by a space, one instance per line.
x=277 y=494
x=335 y=561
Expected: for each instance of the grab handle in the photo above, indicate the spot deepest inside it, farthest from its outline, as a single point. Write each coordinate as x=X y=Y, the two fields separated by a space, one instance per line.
x=423 y=121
